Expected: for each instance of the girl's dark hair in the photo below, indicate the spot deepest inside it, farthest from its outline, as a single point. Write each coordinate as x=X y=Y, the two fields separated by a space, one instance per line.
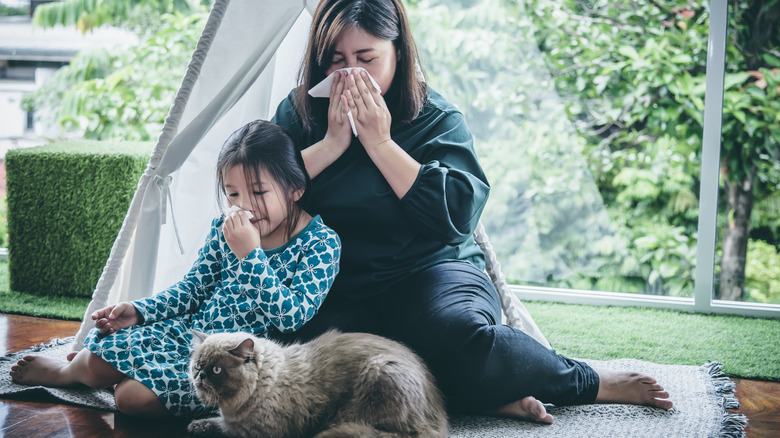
x=265 y=145
x=384 y=19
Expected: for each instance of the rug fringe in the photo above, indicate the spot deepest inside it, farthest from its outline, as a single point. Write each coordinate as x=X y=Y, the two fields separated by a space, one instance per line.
x=39 y=347
x=731 y=425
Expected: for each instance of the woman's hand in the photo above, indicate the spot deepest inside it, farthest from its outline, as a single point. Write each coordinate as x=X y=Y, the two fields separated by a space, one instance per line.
x=112 y=318
x=372 y=120
x=339 y=134
x=337 y=139
x=369 y=110
x=241 y=236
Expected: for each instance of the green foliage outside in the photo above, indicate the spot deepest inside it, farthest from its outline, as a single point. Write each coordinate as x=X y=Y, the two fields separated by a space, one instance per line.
x=66 y=204
x=587 y=117
x=121 y=93
x=763 y=272
x=636 y=90
x=85 y=15
x=13 y=11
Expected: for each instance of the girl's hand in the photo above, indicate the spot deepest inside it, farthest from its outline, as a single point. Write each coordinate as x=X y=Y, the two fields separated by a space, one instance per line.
x=112 y=318
x=369 y=110
x=241 y=236
x=339 y=134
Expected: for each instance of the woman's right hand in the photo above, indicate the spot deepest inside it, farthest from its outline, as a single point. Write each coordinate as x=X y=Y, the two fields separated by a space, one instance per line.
x=339 y=135
x=337 y=139
x=112 y=318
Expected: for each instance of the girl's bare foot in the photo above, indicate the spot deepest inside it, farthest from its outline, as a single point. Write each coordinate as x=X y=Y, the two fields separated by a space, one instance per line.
x=631 y=388
x=41 y=370
x=528 y=408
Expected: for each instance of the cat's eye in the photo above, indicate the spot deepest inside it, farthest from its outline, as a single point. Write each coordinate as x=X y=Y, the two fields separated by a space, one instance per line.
x=216 y=370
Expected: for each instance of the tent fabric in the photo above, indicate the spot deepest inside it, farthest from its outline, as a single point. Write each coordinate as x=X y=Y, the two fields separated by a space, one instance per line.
x=245 y=63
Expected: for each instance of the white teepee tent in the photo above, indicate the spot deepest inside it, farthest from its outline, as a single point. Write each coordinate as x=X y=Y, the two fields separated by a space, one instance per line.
x=245 y=63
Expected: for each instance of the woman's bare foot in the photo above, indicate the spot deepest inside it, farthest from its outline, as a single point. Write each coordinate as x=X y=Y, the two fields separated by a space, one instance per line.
x=631 y=388
x=528 y=408
x=41 y=370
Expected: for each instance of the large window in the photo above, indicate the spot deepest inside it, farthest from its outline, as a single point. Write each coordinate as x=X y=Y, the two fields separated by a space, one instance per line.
x=588 y=118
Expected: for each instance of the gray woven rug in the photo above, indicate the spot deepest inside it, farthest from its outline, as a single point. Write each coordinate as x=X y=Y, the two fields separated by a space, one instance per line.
x=702 y=395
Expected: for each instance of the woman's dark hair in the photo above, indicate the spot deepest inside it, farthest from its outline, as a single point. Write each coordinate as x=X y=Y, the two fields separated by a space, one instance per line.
x=265 y=145
x=384 y=19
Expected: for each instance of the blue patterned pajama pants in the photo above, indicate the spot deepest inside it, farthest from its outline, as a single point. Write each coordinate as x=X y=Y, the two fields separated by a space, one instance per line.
x=157 y=355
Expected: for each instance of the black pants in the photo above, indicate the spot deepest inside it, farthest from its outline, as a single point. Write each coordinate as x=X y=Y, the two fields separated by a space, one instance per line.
x=450 y=314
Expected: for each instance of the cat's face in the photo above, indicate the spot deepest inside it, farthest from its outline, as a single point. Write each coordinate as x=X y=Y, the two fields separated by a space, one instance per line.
x=223 y=368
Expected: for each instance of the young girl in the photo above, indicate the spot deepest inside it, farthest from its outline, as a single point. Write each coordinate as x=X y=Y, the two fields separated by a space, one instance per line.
x=259 y=272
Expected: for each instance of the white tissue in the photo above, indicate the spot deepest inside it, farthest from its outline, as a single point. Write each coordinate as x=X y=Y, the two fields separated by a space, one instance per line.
x=323 y=88
x=236 y=209
x=352 y=122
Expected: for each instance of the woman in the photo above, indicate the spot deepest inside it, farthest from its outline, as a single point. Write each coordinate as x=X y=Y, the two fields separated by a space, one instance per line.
x=405 y=196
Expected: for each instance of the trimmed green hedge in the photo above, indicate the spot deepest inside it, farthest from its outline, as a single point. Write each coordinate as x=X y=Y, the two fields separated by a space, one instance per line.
x=66 y=204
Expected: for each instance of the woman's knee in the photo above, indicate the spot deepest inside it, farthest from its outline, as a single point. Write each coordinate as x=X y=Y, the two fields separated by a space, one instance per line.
x=135 y=399
x=473 y=351
x=467 y=375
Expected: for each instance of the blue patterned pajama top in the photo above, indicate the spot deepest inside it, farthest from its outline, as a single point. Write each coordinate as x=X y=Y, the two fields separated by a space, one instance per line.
x=280 y=288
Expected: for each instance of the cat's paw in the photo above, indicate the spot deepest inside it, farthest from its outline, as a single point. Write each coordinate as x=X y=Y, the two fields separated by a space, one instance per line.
x=205 y=427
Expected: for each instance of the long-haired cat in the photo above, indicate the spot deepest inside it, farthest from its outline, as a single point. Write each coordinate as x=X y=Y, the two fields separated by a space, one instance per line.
x=337 y=385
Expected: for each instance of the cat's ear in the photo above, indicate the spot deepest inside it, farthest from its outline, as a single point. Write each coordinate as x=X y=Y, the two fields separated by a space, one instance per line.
x=245 y=349
x=198 y=338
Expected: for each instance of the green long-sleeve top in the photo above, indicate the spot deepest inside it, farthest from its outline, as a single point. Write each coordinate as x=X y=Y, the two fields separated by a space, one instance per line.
x=385 y=239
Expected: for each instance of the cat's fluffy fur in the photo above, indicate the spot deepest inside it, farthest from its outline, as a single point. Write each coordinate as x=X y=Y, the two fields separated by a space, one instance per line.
x=337 y=385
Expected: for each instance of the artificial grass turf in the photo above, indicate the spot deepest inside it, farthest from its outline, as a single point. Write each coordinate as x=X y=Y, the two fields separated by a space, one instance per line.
x=43 y=306
x=85 y=187
x=747 y=347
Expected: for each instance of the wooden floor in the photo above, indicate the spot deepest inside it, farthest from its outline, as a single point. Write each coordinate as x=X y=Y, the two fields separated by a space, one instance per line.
x=760 y=401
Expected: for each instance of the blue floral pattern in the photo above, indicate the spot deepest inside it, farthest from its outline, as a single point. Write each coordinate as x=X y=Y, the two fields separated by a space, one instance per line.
x=281 y=288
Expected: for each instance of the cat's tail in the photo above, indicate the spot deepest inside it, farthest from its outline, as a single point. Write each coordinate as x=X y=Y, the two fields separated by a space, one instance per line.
x=356 y=430
x=398 y=393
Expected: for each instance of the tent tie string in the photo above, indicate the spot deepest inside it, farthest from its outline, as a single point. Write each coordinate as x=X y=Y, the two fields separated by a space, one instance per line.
x=164 y=185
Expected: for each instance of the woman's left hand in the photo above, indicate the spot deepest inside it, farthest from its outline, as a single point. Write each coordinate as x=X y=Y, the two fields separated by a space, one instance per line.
x=369 y=110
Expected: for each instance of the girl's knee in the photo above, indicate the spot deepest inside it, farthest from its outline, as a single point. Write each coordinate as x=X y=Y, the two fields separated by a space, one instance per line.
x=96 y=372
x=135 y=399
